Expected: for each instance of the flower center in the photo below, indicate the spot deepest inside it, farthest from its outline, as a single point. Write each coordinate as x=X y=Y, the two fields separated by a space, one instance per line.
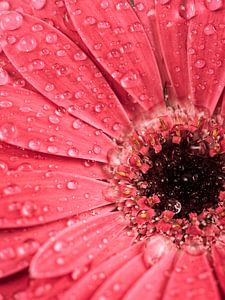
x=168 y=177
x=183 y=175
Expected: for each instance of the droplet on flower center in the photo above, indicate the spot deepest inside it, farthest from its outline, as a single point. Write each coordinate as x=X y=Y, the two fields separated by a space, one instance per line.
x=168 y=177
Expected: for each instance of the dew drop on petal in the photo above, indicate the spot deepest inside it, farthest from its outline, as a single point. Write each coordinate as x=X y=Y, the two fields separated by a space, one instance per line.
x=71 y=185
x=52 y=149
x=214 y=4
x=200 y=63
x=51 y=38
x=130 y=79
x=11 y=190
x=4 y=77
x=80 y=55
x=10 y=20
x=27 y=43
x=34 y=144
x=3 y=167
x=97 y=149
x=4 y=5
x=104 y=4
x=38 y=4
x=7 y=131
x=209 y=29
x=38 y=64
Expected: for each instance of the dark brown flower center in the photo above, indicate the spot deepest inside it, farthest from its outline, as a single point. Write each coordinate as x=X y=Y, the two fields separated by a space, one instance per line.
x=184 y=176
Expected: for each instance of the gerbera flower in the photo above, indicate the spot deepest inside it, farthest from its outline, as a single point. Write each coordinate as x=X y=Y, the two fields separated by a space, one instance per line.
x=112 y=149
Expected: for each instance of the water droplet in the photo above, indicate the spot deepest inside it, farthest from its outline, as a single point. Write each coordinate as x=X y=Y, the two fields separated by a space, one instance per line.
x=214 y=4
x=38 y=64
x=195 y=247
x=187 y=10
x=136 y=27
x=90 y=21
x=73 y=152
x=80 y=55
x=28 y=209
x=5 y=104
x=49 y=87
x=4 y=5
x=37 y=27
x=4 y=77
x=209 y=29
x=99 y=107
x=10 y=20
x=38 y=4
x=164 y=2
x=3 y=167
x=53 y=119
x=27 y=44
x=61 y=53
x=72 y=185
x=77 y=124
x=52 y=149
x=11 y=190
x=7 y=131
x=155 y=249
x=103 y=25
x=122 y=5
x=97 y=149
x=200 y=63
x=130 y=79
x=104 y=4
x=51 y=38
x=34 y=144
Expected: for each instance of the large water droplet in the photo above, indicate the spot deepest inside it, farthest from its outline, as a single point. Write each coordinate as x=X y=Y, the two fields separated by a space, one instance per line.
x=4 y=5
x=10 y=20
x=200 y=63
x=34 y=144
x=209 y=29
x=7 y=131
x=214 y=4
x=38 y=4
x=4 y=77
x=27 y=43
x=80 y=55
x=130 y=79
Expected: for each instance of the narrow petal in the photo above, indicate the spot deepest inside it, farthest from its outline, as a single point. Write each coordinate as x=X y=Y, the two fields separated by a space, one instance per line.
x=28 y=120
x=145 y=10
x=17 y=159
x=153 y=281
x=87 y=285
x=32 y=198
x=52 y=12
x=18 y=246
x=115 y=36
x=76 y=247
x=13 y=289
x=172 y=33
x=116 y=286
x=192 y=278
x=64 y=74
x=206 y=50
x=218 y=255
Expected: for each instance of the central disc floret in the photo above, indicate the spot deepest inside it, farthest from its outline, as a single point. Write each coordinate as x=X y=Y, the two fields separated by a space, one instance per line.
x=168 y=177
x=183 y=175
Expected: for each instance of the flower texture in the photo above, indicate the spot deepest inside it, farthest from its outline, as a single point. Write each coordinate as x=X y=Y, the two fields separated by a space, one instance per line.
x=112 y=149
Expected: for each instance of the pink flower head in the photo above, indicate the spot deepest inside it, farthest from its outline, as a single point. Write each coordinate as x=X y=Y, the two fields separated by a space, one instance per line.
x=112 y=152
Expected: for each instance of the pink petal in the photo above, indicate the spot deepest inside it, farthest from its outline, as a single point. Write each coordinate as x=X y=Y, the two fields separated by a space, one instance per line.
x=218 y=255
x=13 y=287
x=9 y=74
x=206 y=49
x=172 y=32
x=64 y=74
x=116 y=286
x=38 y=197
x=52 y=12
x=154 y=280
x=18 y=246
x=145 y=10
x=115 y=36
x=76 y=247
x=192 y=278
x=28 y=120
x=17 y=159
x=87 y=285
